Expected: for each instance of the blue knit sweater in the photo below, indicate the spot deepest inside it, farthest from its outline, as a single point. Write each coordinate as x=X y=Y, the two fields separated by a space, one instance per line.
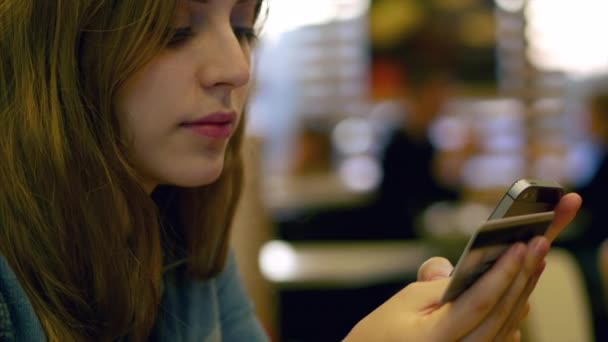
x=211 y=310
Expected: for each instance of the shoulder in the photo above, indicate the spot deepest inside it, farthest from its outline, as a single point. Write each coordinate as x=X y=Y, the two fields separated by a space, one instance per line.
x=179 y=286
x=7 y=280
x=7 y=330
x=18 y=321
x=230 y=271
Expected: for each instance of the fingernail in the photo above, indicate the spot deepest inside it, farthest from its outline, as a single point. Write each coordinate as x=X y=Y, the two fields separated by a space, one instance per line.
x=441 y=273
x=519 y=250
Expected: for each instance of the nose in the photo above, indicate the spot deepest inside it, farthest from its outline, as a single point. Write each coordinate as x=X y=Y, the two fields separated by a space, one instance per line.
x=226 y=61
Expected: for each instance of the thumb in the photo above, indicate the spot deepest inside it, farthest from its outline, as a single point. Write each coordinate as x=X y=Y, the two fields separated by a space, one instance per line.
x=435 y=268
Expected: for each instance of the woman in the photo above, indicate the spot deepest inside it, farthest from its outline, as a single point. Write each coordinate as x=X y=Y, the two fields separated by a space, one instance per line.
x=120 y=129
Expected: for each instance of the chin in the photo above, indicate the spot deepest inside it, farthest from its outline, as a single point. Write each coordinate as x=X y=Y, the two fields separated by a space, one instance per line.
x=194 y=179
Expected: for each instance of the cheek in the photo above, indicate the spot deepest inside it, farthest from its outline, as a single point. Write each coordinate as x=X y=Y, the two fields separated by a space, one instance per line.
x=133 y=115
x=155 y=85
x=146 y=103
x=140 y=122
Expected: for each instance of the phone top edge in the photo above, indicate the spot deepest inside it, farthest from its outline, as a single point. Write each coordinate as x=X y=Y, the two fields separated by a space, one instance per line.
x=521 y=185
x=502 y=207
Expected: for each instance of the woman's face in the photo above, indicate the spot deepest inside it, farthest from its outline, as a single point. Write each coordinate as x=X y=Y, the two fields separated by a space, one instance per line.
x=180 y=110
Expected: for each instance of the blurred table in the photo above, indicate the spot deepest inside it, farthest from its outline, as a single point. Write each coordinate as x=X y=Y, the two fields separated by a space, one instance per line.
x=341 y=264
x=285 y=194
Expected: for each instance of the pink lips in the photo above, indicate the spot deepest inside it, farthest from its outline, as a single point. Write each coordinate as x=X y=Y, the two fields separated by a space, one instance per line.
x=216 y=125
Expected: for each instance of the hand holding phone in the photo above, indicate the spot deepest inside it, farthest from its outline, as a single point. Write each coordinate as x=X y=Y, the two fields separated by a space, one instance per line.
x=491 y=310
x=525 y=211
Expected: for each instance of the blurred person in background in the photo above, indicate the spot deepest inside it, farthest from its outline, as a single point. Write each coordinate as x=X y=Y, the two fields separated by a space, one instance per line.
x=415 y=173
x=411 y=172
x=594 y=191
x=585 y=245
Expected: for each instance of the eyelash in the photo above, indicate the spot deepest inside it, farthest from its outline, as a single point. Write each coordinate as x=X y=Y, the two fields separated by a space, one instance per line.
x=182 y=34
x=245 y=33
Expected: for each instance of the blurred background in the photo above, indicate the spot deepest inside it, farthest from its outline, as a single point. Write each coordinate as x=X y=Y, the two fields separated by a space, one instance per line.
x=383 y=132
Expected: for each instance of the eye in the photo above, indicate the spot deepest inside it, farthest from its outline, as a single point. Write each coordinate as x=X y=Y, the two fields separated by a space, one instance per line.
x=246 y=34
x=180 y=35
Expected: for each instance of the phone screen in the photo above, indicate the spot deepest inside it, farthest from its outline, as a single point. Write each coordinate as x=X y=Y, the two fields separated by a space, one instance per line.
x=492 y=239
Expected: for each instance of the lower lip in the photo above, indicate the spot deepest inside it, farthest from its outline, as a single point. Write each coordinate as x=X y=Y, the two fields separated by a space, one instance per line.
x=214 y=131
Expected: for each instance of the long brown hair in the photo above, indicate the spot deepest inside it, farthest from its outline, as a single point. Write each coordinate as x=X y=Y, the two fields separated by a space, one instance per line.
x=92 y=269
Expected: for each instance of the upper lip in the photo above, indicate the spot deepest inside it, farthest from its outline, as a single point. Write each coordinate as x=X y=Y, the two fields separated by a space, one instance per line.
x=216 y=118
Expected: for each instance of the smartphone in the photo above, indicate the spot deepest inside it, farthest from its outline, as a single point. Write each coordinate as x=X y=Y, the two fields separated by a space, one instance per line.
x=528 y=196
x=525 y=211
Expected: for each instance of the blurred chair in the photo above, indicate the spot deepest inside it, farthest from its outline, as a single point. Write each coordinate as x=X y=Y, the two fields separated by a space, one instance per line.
x=559 y=306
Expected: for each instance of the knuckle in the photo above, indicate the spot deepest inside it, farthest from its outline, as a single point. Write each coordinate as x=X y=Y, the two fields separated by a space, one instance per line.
x=415 y=287
x=502 y=311
x=530 y=267
x=512 y=270
x=410 y=289
x=482 y=305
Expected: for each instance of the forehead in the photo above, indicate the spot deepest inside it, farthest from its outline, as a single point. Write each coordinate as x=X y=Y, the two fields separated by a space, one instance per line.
x=185 y=8
x=187 y=5
x=227 y=2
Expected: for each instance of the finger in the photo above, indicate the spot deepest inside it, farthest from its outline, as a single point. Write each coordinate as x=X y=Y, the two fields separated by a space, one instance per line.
x=522 y=308
x=522 y=317
x=565 y=211
x=435 y=268
x=515 y=298
x=471 y=308
x=524 y=313
x=514 y=337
